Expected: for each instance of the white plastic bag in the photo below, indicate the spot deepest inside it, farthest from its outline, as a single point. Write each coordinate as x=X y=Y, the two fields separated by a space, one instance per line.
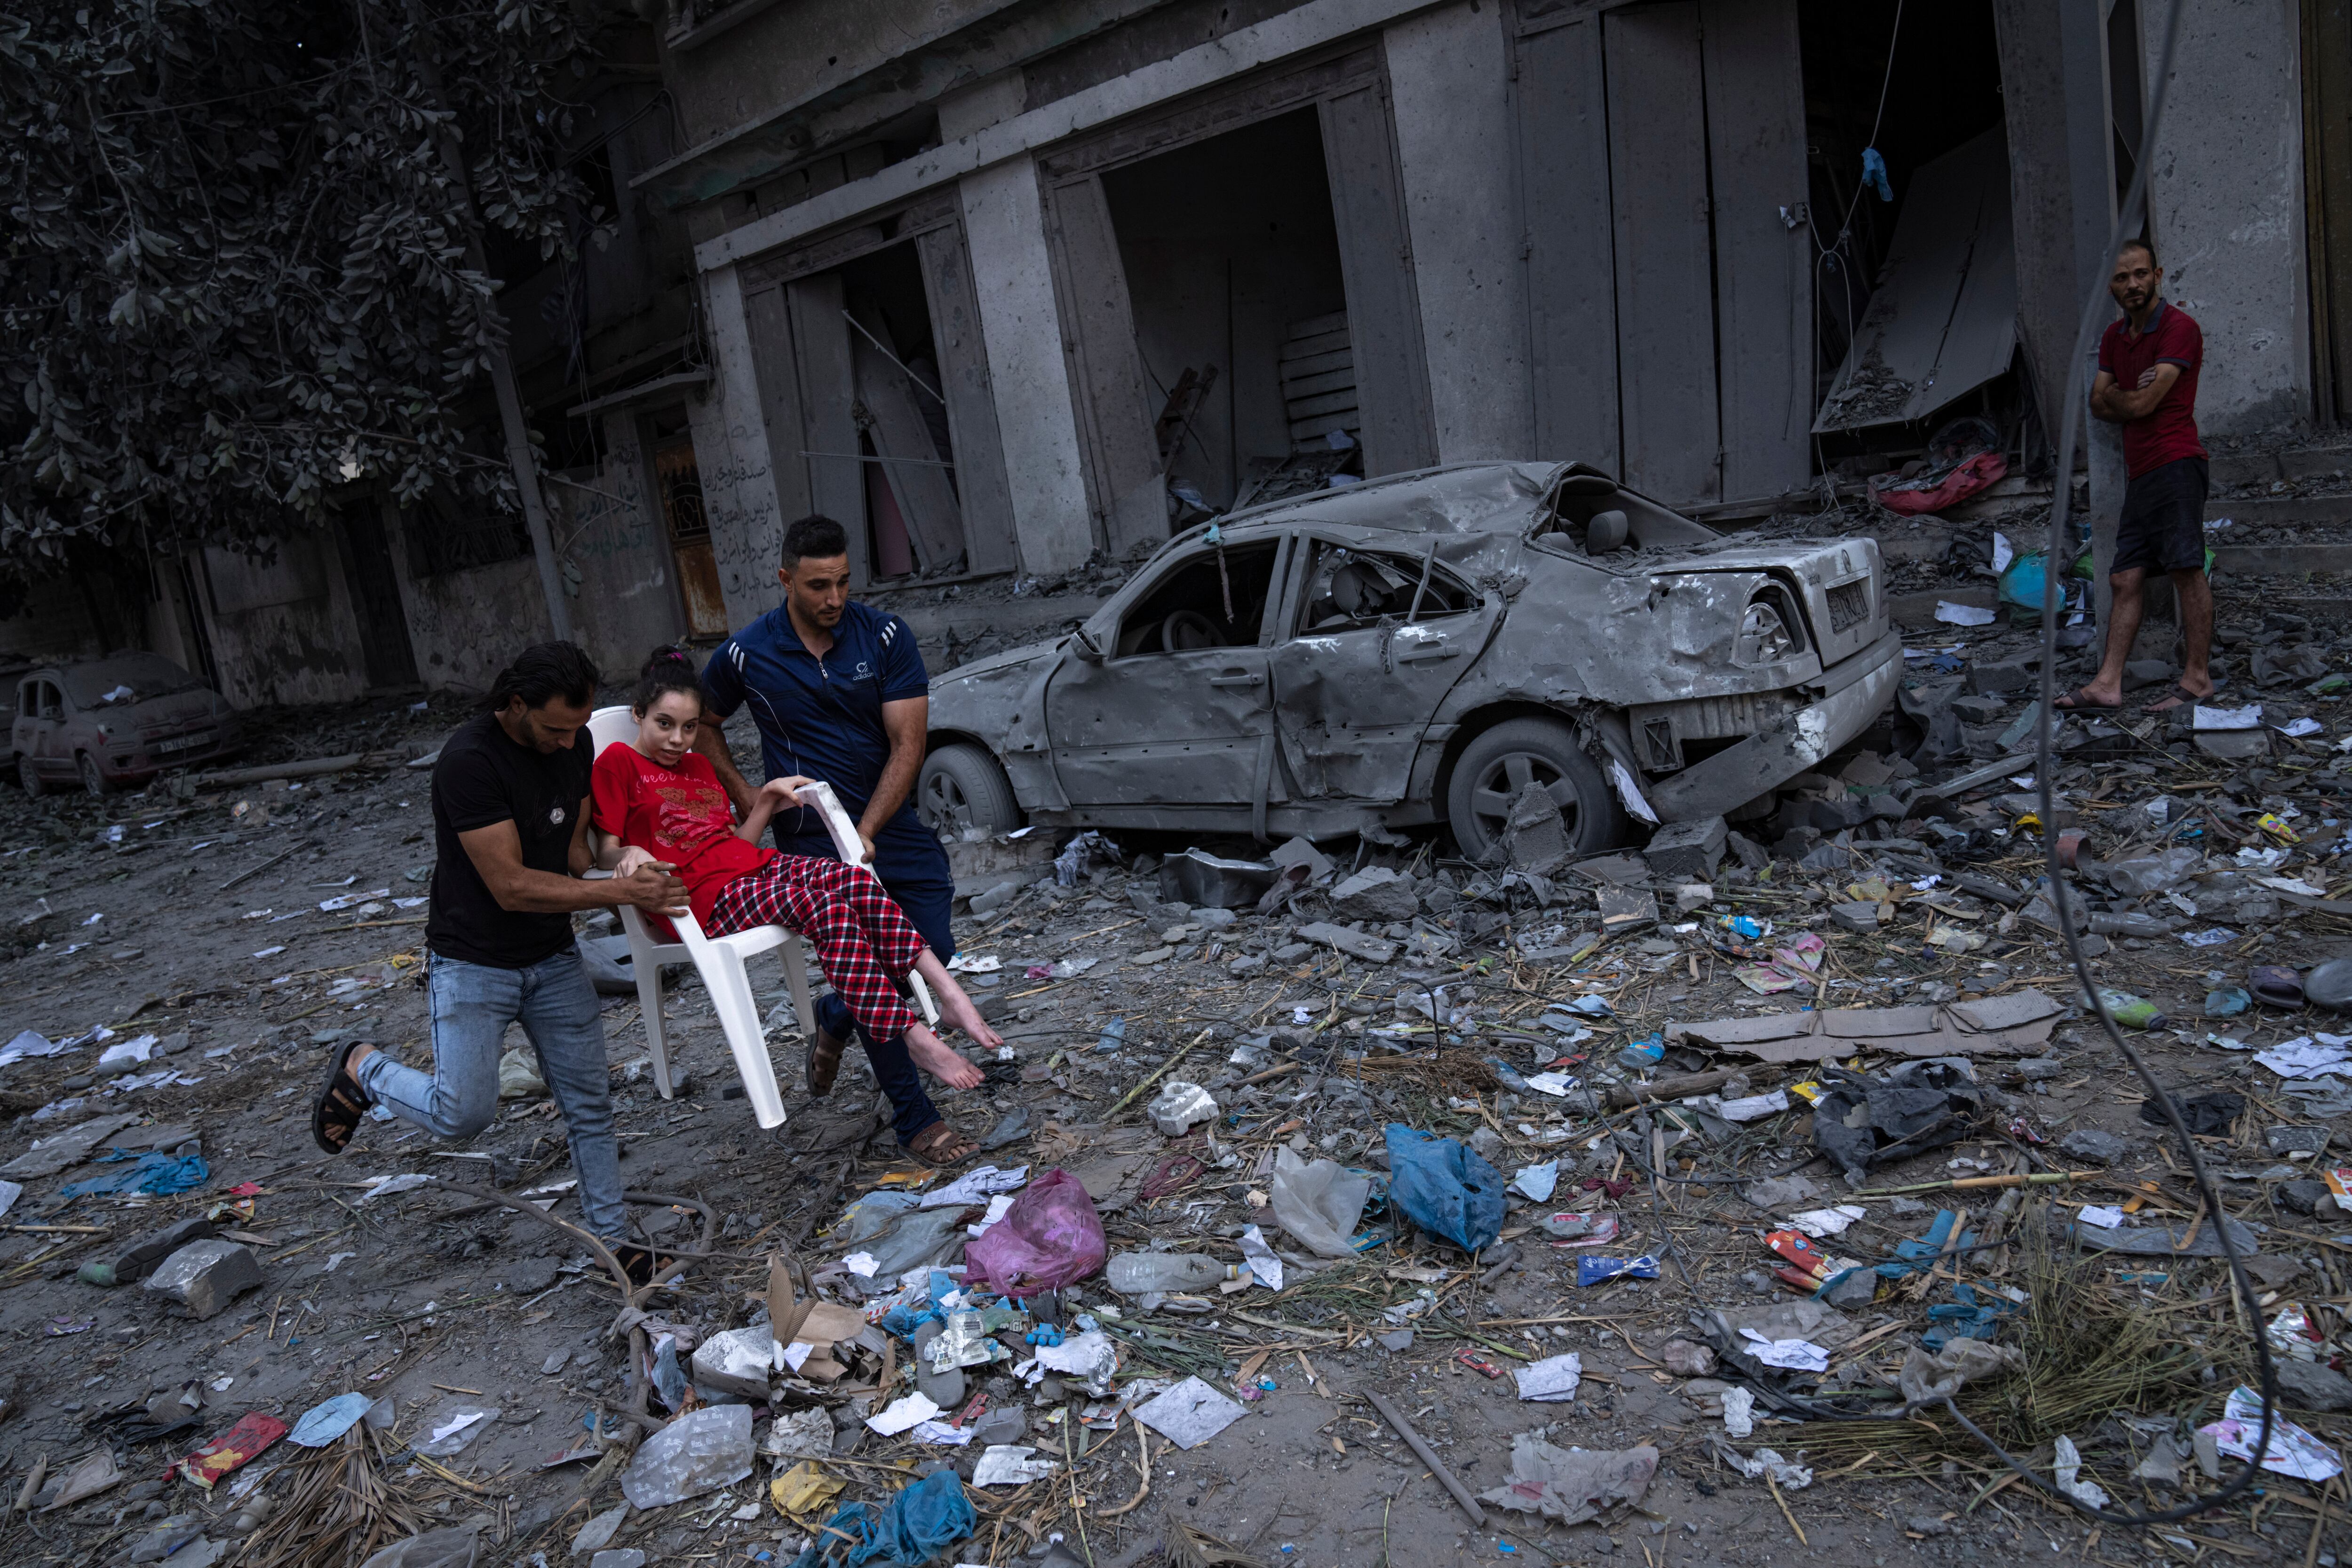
x=1318 y=1203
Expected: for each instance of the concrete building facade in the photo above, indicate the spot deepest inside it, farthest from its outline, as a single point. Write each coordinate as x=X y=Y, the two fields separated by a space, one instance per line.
x=1011 y=287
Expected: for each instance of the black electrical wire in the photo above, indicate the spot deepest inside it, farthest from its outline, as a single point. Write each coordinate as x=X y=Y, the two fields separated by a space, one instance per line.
x=2129 y=221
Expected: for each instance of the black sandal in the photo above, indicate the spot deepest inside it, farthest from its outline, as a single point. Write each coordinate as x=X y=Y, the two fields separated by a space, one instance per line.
x=639 y=1263
x=341 y=1104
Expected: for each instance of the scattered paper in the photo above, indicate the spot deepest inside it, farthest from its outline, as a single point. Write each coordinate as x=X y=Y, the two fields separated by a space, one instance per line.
x=2292 y=1452
x=1820 y=1222
x=1262 y=1264
x=1551 y=1380
x=1795 y=1355
x=2307 y=1056
x=1754 y=1107
x=1739 y=1411
x=1537 y=1182
x=1556 y=1084
x=2104 y=1215
x=2300 y=729
x=903 y=1413
x=965 y=963
x=2218 y=718
x=1189 y=1413
x=384 y=1187
x=2212 y=937
x=1009 y=1465
x=1952 y=615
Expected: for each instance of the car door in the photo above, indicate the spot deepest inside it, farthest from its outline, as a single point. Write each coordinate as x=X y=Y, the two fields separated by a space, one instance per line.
x=44 y=740
x=1378 y=638
x=1177 y=712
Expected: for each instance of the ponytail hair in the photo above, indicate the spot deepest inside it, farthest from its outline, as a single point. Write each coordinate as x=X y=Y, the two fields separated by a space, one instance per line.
x=669 y=670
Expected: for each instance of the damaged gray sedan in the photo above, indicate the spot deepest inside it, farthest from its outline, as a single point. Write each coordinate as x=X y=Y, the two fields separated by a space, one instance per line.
x=1418 y=649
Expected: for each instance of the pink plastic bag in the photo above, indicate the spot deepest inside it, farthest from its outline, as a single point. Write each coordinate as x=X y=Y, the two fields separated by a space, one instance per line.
x=1051 y=1236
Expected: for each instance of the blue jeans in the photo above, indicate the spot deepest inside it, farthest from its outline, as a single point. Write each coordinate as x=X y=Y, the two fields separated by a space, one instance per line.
x=472 y=1004
x=913 y=869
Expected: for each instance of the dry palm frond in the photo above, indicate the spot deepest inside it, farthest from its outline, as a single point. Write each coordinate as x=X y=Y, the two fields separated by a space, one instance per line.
x=341 y=1510
x=1186 y=1547
x=2089 y=1353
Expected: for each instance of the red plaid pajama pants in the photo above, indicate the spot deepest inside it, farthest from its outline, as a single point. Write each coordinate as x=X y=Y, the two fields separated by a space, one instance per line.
x=864 y=942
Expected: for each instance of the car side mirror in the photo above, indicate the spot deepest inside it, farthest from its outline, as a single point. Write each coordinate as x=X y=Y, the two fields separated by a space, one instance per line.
x=1088 y=648
x=1605 y=532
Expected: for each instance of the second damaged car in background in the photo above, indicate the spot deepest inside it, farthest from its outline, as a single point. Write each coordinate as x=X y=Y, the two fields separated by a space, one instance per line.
x=1419 y=649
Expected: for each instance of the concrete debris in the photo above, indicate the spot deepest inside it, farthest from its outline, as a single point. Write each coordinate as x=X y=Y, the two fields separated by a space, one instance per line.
x=203 y=1277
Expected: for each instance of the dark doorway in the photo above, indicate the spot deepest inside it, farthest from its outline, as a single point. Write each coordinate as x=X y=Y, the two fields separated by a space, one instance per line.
x=1232 y=265
x=375 y=596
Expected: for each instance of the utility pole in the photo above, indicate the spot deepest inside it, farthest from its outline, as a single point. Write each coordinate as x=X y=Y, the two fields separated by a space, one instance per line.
x=502 y=376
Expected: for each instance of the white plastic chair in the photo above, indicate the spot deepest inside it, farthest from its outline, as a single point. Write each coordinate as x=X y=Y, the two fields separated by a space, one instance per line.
x=720 y=959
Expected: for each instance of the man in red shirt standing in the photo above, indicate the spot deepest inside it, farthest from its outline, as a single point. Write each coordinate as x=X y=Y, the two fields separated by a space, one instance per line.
x=2147 y=384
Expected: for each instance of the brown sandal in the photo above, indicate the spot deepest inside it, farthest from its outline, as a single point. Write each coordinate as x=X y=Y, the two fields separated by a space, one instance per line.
x=823 y=1062
x=341 y=1104
x=940 y=1146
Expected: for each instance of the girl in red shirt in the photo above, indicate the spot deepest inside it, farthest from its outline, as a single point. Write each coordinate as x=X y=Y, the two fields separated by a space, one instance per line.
x=661 y=802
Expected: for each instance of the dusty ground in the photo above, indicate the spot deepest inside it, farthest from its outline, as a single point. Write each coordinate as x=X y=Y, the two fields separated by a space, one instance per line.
x=443 y=1306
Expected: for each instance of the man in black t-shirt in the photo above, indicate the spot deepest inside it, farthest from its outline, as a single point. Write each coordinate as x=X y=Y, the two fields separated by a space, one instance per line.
x=510 y=820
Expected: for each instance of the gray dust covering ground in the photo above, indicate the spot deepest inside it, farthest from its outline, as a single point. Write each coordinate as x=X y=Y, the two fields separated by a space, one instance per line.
x=435 y=1304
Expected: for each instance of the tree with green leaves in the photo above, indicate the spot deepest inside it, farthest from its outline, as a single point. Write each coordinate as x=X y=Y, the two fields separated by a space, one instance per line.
x=243 y=275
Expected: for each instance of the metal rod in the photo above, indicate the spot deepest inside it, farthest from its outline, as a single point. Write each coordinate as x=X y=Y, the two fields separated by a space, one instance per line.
x=861 y=458
x=893 y=357
x=1395 y=1418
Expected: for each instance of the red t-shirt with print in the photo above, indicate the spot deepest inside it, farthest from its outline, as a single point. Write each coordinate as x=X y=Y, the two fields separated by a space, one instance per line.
x=679 y=815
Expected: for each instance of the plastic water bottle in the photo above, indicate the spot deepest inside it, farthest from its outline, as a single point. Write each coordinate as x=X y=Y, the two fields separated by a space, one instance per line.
x=1141 y=1273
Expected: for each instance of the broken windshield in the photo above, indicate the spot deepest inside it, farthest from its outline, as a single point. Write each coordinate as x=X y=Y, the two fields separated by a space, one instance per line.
x=134 y=678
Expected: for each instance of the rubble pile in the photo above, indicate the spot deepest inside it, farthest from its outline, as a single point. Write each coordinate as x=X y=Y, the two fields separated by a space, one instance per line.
x=1336 y=1198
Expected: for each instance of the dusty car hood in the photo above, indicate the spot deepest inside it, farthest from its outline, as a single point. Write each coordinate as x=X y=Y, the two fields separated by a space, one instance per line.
x=996 y=663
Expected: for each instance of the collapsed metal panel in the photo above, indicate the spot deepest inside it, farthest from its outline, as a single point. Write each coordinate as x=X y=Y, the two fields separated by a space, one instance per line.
x=1943 y=319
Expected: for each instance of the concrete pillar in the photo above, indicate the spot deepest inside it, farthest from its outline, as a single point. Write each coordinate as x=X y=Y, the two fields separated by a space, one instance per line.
x=2226 y=206
x=730 y=452
x=1013 y=281
x=1448 y=77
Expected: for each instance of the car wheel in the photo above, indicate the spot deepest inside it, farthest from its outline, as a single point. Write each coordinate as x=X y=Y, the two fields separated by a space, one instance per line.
x=30 y=778
x=1496 y=766
x=962 y=787
x=92 y=781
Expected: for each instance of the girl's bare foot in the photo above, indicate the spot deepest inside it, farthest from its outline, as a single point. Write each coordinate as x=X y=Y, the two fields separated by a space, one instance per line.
x=932 y=1055
x=956 y=1006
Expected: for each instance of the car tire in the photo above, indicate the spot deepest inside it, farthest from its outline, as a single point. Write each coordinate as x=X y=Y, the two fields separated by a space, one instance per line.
x=1499 y=762
x=961 y=786
x=30 y=778
x=93 y=782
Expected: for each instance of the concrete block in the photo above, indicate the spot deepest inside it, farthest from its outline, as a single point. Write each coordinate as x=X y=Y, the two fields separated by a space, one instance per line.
x=1692 y=851
x=1746 y=852
x=1982 y=708
x=1354 y=944
x=138 y=1260
x=1855 y=916
x=1376 y=892
x=1534 y=836
x=203 y=1277
x=2006 y=675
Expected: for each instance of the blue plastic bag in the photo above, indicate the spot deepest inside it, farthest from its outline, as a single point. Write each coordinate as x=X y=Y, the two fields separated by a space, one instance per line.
x=1446 y=1189
x=913 y=1528
x=153 y=1171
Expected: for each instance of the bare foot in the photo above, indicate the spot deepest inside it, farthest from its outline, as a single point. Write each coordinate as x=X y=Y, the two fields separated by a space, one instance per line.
x=932 y=1055
x=958 y=1011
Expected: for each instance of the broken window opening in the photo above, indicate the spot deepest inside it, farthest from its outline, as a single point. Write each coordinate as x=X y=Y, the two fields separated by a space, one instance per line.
x=1349 y=589
x=1186 y=610
x=913 y=510
x=1231 y=256
x=445 y=536
x=1641 y=524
